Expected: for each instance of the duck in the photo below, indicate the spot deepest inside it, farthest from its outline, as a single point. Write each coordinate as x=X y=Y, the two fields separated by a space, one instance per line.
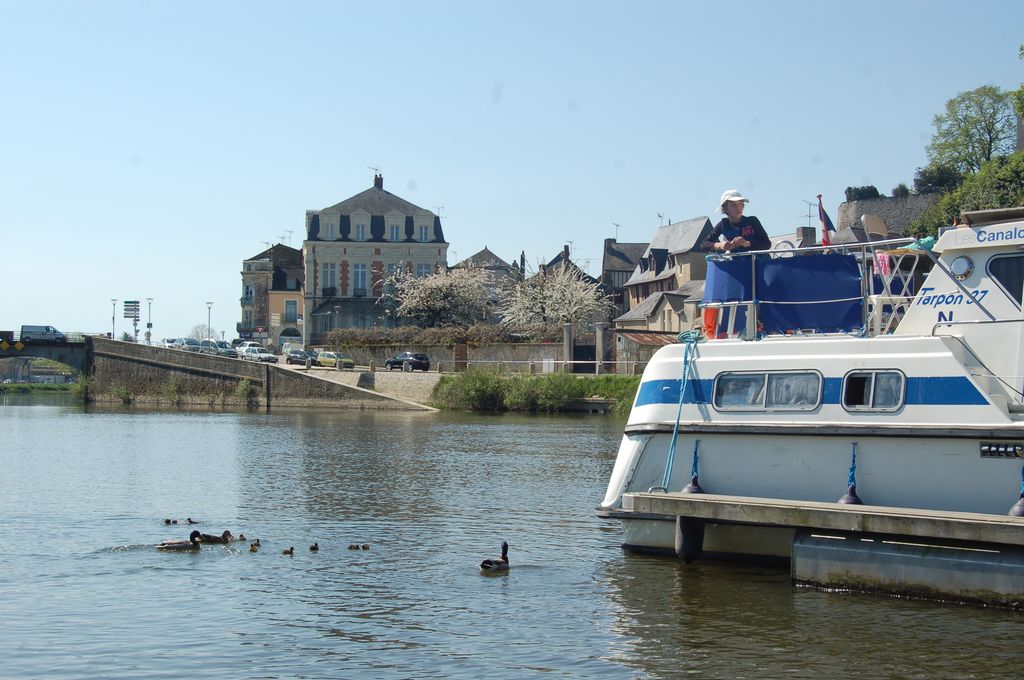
x=254 y=547
x=498 y=565
x=191 y=544
x=289 y=551
x=188 y=520
x=314 y=547
x=226 y=537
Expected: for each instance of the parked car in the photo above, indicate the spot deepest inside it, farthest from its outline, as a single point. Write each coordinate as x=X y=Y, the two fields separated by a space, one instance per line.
x=226 y=350
x=173 y=343
x=242 y=346
x=257 y=353
x=208 y=347
x=335 y=358
x=408 y=361
x=298 y=356
x=190 y=344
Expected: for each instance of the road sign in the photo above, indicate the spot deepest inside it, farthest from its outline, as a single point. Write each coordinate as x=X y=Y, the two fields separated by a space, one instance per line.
x=259 y=329
x=131 y=309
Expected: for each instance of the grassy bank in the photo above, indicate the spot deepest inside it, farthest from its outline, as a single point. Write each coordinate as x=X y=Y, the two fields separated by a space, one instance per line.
x=34 y=387
x=484 y=390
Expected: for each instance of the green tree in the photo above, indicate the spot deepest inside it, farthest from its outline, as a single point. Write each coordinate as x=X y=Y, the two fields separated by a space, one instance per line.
x=998 y=184
x=937 y=179
x=977 y=126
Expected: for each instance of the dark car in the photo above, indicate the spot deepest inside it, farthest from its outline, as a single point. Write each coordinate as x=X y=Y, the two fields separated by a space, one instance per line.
x=408 y=361
x=298 y=356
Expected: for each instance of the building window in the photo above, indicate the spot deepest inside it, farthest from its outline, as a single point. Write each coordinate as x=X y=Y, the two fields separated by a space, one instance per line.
x=359 y=280
x=329 y=275
x=423 y=233
x=360 y=232
x=250 y=291
x=395 y=233
x=873 y=391
x=423 y=270
x=799 y=391
x=329 y=231
x=291 y=311
x=391 y=269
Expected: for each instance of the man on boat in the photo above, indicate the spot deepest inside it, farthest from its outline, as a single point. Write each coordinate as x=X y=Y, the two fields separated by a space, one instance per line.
x=735 y=232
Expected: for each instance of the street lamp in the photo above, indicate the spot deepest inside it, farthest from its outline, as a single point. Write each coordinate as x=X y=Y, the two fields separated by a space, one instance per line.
x=209 y=331
x=113 y=317
x=149 y=320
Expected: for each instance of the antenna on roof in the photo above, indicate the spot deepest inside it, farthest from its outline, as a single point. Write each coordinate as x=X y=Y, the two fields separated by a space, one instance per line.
x=376 y=171
x=616 y=225
x=289 y=232
x=809 y=204
x=439 y=209
x=660 y=218
x=267 y=244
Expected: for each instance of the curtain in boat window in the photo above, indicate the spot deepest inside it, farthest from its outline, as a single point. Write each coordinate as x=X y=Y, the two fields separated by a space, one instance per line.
x=739 y=390
x=793 y=389
x=888 y=390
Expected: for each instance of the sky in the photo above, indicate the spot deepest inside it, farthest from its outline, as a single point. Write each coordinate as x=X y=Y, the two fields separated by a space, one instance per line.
x=148 y=148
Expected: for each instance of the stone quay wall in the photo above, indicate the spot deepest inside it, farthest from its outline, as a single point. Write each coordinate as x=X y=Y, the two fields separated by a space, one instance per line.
x=141 y=374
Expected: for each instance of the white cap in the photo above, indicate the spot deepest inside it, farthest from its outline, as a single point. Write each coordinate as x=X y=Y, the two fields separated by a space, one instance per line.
x=732 y=195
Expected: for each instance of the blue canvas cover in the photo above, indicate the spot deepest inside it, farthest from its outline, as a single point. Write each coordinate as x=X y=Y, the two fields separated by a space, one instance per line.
x=827 y=286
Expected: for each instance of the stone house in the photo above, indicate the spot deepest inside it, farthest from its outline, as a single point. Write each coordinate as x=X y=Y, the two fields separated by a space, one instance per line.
x=498 y=275
x=272 y=294
x=352 y=246
x=618 y=263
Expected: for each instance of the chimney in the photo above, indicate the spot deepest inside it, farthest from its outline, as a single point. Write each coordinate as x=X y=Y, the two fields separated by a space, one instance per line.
x=806 y=236
x=522 y=261
x=378 y=181
x=565 y=256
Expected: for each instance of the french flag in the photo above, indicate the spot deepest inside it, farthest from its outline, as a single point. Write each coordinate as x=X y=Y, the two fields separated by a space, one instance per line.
x=827 y=228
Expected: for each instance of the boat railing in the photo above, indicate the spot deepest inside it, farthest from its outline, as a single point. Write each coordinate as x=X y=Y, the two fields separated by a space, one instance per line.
x=889 y=274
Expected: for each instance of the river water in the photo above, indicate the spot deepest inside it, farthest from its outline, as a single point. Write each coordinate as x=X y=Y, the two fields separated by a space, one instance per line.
x=84 y=594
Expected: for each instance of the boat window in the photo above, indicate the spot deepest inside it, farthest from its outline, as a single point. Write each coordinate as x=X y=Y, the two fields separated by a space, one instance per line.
x=1009 y=272
x=873 y=391
x=799 y=391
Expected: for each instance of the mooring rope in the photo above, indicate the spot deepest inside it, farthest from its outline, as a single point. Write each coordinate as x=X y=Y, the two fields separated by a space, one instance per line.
x=852 y=480
x=690 y=340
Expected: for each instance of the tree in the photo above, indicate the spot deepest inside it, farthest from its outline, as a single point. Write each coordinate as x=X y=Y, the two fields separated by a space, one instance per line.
x=977 y=126
x=202 y=332
x=901 y=191
x=553 y=298
x=456 y=297
x=862 y=193
x=937 y=179
x=998 y=184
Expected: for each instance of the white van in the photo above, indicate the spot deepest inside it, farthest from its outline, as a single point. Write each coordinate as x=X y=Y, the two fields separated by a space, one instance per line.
x=42 y=334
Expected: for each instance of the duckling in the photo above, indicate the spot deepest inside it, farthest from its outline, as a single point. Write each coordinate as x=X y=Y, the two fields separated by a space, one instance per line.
x=174 y=521
x=353 y=546
x=289 y=552
x=314 y=547
x=189 y=520
x=191 y=544
x=226 y=537
x=241 y=537
x=254 y=547
x=365 y=546
x=499 y=565
x=167 y=521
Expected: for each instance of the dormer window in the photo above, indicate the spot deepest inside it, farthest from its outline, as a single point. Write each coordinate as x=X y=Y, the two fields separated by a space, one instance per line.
x=395 y=233
x=329 y=231
x=423 y=233
x=360 y=232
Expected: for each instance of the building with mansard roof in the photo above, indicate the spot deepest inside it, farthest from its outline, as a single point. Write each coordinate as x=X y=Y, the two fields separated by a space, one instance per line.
x=352 y=246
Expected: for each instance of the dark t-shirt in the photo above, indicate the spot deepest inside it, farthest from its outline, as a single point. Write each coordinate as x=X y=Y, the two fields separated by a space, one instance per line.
x=748 y=227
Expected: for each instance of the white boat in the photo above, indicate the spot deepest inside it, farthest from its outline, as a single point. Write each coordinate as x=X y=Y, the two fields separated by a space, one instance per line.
x=874 y=364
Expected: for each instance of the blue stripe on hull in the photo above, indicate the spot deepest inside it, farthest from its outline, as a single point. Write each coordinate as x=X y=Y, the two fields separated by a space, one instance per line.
x=930 y=391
